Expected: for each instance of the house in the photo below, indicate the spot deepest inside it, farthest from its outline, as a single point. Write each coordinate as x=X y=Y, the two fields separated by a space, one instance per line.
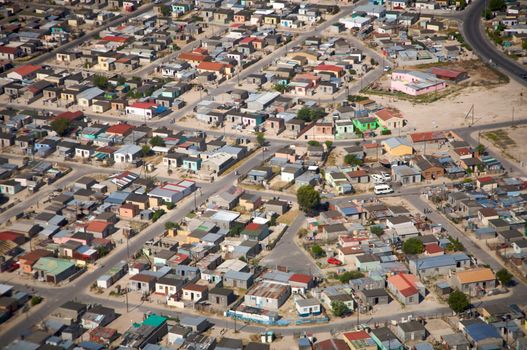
x=411 y=331
x=169 y=285
x=415 y=83
x=27 y=260
x=227 y=199
x=483 y=335
x=438 y=265
x=145 y=110
x=308 y=307
x=25 y=72
x=255 y=232
x=398 y=147
x=103 y=335
x=359 y=340
x=429 y=167
x=520 y=247
x=98 y=316
x=142 y=283
x=221 y=297
x=276 y=206
x=69 y=313
x=390 y=118
x=301 y=283
x=385 y=339
x=127 y=154
x=405 y=174
x=372 y=297
x=267 y=295
x=259 y=174
x=195 y=292
x=238 y=279
x=474 y=282
x=406 y=288
x=53 y=270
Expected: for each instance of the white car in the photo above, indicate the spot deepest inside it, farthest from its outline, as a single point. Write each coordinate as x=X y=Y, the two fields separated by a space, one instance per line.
x=381 y=178
x=382 y=189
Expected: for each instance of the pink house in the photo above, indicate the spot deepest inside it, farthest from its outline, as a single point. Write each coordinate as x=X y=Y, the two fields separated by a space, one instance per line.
x=415 y=83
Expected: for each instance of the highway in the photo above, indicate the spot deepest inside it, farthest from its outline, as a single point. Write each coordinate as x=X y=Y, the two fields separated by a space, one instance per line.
x=473 y=32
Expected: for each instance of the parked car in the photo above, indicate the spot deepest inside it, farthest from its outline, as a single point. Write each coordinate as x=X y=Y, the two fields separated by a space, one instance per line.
x=382 y=189
x=334 y=261
x=381 y=178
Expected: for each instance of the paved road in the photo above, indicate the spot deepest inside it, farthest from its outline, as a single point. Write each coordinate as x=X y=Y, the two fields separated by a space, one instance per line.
x=288 y=253
x=22 y=324
x=77 y=42
x=472 y=31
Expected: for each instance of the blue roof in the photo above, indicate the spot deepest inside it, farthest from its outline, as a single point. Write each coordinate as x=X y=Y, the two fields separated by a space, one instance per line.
x=440 y=261
x=117 y=197
x=481 y=331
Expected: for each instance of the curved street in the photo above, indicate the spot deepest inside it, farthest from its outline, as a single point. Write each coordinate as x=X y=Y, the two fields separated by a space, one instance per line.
x=473 y=32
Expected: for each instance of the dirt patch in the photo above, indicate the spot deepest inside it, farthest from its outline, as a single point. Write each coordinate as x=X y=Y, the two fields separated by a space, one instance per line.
x=509 y=142
x=288 y=217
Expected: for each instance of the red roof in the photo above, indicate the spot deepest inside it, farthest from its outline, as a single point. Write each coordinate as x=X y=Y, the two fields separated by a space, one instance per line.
x=300 y=278
x=8 y=49
x=212 y=66
x=143 y=105
x=26 y=69
x=10 y=236
x=189 y=56
x=97 y=226
x=69 y=116
x=387 y=114
x=427 y=136
x=485 y=179
x=433 y=248
x=359 y=335
x=447 y=73
x=114 y=38
x=120 y=129
x=247 y=40
x=253 y=226
x=404 y=283
x=329 y=68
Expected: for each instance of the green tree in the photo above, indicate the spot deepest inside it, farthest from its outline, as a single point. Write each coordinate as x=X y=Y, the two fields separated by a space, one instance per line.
x=458 y=301
x=100 y=81
x=309 y=114
x=496 y=5
x=524 y=44
x=313 y=143
x=146 y=150
x=308 y=198
x=339 y=309
x=260 y=139
x=157 y=214
x=35 y=300
x=349 y=275
x=317 y=251
x=328 y=144
x=455 y=245
x=170 y=225
x=157 y=141
x=236 y=229
x=351 y=159
x=413 y=246
x=377 y=230
x=121 y=80
x=504 y=276
x=61 y=126
x=165 y=10
x=480 y=149
x=281 y=88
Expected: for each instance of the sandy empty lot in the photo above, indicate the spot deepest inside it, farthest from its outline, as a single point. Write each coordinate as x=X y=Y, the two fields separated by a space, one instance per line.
x=491 y=105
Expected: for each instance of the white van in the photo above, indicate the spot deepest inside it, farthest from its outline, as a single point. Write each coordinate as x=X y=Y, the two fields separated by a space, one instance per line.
x=382 y=189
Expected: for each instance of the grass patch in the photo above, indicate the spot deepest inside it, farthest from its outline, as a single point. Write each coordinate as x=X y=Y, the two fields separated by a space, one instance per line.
x=421 y=99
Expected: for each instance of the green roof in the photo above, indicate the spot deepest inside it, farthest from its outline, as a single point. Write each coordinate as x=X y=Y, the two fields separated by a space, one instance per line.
x=53 y=266
x=154 y=320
